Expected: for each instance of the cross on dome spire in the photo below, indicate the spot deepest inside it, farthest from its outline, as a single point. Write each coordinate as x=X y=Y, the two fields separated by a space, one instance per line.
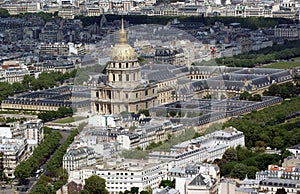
x=122 y=34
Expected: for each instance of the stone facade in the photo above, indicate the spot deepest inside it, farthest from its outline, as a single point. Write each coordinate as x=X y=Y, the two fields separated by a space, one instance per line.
x=125 y=91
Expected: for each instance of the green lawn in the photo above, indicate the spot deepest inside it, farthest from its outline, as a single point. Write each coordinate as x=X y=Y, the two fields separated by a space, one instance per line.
x=69 y=120
x=283 y=65
x=296 y=58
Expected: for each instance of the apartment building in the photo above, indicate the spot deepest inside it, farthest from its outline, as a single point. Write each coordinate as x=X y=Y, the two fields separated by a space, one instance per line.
x=189 y=177
x=61 y=49
x=288 y=32
x=121 y=175
x=208 y=147
x=33 y=130
x=129 y=140
x=78 y=157
x=270 y=186
x=153 y=132
x=286 y=171
x=13 y=71
x=70 y=187
x=55 y=66
x=68 y=12
x=295 y=149
x=103 y=148
x=12 y=152
x=202 y=184
x=22 y=7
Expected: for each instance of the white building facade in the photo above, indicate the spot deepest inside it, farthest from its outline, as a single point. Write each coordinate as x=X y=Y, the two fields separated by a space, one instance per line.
x=78 y=157
x=208 y=147
x=121 y=175
x=12 y=152
x=34 y=130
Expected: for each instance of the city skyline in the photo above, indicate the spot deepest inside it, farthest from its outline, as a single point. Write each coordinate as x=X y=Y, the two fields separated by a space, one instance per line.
x=115 y=106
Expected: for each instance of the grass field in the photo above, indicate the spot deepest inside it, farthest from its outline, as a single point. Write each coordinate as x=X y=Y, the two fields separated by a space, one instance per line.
x=296 y=58
x=69 y=120
x=283 y=65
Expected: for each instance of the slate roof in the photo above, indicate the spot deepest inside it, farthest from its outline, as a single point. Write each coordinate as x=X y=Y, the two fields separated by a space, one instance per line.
x=199 y=180
x=74 y=152
x=295 y=147
x=161 y=75
x=258 y=71
x=281 y=182
x=60 y=96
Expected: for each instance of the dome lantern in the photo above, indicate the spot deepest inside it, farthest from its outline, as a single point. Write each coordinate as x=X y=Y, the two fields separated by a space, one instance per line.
x=123 y=51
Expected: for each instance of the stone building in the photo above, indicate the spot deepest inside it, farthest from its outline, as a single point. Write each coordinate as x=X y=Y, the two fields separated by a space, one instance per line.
x=124 y=90
x=12 y=152
x=78 y=157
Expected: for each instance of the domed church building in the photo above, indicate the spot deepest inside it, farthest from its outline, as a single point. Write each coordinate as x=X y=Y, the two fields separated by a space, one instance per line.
x=124 y=89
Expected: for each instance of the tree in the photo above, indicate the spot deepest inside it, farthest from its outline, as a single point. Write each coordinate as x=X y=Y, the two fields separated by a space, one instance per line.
x=263 y=160
x=134 y=190
x=256 y=97
x=22 y=171
x=243 y=153
x=251 y=171
x=18 y=87
x=278 y=142
x=245 y=96
x=27 y=167
x=4 y=13
x=239 y=171
x=47 y=130
x=6 y=90
x=27 y=79
x=167 y=183
x=285 y=90
x=181 y=114
x=263 y=125
x=225 y=168
x=286 y=153
x=250 y=161
x=148 y=189
x=281 y=191
x=95 y=185
x=260 y=144
x=172 y=113
x=230 y=155
x=196 y=135
x=47 y=16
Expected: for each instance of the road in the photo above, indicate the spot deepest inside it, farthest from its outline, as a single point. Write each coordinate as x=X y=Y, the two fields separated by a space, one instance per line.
x=64 y=134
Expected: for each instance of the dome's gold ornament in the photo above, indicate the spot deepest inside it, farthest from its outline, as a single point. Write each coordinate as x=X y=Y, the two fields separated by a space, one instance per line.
x=123 y=51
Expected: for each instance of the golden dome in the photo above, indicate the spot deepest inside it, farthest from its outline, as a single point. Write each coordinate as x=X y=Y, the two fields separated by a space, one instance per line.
x=123 y=51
